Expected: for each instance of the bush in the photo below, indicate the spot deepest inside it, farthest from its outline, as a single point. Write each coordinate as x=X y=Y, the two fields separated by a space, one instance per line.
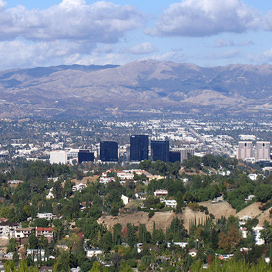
x=150 y=214
x=194 y=206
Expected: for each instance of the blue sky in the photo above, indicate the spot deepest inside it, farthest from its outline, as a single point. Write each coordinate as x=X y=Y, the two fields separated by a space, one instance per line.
x=203 y=32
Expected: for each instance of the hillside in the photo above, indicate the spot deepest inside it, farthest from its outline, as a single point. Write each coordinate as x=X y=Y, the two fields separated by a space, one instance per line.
x=65 y=91
x=163 y=219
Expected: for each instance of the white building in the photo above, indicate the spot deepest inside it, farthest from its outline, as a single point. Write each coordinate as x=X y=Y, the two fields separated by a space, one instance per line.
x=106 y=180
x=262 y=151
x=186 y=153
x=47 y=216
x=50 y=195
x=79 y=187
x=125 y=199
x=37 y=254
x=257 y=235
x=7 y=230
x=58 y=156
x=253 y=176
x=170 y=203
x=245 y=150
x=93 y=252
x=23 y=232
x=161 y=193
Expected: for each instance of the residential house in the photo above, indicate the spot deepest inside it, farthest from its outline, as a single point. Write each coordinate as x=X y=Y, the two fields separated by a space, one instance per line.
x=7 y=230
x=93 y=252
x=170 y=203
x=46 y=232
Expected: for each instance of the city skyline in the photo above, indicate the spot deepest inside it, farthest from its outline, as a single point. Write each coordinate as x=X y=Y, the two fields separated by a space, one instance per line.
x=118 y=32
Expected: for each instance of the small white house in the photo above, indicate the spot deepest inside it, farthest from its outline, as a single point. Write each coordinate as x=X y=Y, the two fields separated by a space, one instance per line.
x=170 y=203
x=125 y=199
x=37 y=254
x=50 y=195
x=47 y=216
x=79 y=187
x=257 y=235
x=249 y=198
x=161 y=193
x=253 y=176
x=93 y=252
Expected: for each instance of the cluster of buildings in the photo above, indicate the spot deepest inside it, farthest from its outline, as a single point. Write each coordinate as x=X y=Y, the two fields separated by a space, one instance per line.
x=139 y=150
x=258 y=152
x=21 y=235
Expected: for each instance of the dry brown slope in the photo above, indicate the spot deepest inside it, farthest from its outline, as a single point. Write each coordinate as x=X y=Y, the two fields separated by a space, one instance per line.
x=162 y=220
x=217 y=209
x=251 y=210
x=254 y=211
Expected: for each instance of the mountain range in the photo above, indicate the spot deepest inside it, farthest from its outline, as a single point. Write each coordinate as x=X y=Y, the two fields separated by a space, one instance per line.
x=78 y=91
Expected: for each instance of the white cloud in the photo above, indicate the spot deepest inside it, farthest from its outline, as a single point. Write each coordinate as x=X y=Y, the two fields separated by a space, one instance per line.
x=14 y=54
x=2 y=5
x=230 y=43
x=102 y=22
x=234 y=53
x=223 y=43
x=168 y=56
x=139 y=49
x=268 y=21
x=198 y=18
x=105 y=49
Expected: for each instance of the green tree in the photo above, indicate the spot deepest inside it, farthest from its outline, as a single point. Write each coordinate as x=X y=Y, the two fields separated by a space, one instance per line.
x=124 y=267
x=12 y=245
x=62 y=263
x=33 y=241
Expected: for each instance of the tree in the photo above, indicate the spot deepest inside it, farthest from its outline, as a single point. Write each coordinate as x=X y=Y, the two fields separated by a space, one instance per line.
x=12 y=245
x=132 y=238
x=40 y=222
x=263 y=192
x=58 y=229
x=145 y=165
x=230 y=241
x=62 y=262
x=124 y=267
x=33 y=241
x=117 y=237
x=266 y=233
x=180 y=201
x=106 y=241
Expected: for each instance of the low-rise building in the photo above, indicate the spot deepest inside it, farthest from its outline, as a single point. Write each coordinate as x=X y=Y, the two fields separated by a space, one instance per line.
x=161 y=193
x=47 y=216
x=79 y=187
x=46 y=232
x=257 y=235
x=37 y=254
x=21 y=233
x=93 y=252
x=170 y=203
x=125 y=199
x=7 y=230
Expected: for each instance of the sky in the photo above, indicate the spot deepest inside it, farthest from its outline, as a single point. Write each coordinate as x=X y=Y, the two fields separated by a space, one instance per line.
x=204 y=32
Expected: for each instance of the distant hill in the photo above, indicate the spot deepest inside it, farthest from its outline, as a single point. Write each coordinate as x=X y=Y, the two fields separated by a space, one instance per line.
x=81 y=91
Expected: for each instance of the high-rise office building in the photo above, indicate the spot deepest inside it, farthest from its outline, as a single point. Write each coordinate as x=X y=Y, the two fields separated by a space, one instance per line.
x=245 y=150
x=174 y=156
x=109 y=151
x=160 y=150
x=262 y=150
x=186 y=153
x=58 y=156
x=85 y=156
x=138 y=147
